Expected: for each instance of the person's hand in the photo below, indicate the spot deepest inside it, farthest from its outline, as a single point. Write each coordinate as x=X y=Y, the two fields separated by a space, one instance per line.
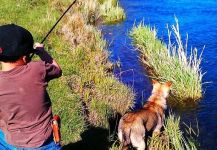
x=38 y=46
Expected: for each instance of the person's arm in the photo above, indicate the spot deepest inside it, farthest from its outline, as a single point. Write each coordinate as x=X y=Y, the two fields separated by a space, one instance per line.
x=52 y=68
x=44 y=55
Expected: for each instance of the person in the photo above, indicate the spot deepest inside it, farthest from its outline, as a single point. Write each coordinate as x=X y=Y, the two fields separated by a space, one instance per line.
x=25 y=106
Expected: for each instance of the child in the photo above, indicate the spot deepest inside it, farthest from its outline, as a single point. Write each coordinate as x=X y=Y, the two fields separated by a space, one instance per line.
x=25 y=106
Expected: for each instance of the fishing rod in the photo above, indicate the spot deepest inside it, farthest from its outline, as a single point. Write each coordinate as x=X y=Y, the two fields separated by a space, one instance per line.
x=56 y=23
x=58 y=20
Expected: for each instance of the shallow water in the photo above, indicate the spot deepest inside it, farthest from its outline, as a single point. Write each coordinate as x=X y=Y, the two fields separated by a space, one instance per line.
x=198 y=19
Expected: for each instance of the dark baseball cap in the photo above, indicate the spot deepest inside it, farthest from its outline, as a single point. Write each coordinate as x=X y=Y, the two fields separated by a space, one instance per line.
x=15 y=41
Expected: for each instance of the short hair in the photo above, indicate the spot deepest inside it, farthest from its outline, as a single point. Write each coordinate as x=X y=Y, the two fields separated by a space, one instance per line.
x=10 y=59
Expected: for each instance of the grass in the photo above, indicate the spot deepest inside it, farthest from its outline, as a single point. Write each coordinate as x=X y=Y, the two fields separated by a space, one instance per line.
x=100 y=91
x=87 y=94
x=112 y=12
x=170 y=62
x=172 y=138
x=103 y=11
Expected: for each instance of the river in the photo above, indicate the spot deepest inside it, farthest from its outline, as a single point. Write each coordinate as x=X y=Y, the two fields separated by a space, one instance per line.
x=198 y=19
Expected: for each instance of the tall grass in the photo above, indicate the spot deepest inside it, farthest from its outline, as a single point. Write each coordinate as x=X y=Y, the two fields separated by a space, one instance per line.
x=102 y=11
x=112 y=12
x=87 y=93
x=172 y=137
x=170 y=62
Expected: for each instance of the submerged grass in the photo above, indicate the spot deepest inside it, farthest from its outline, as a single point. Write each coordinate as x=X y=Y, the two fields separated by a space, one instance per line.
x=170 y=62
x=87 y=93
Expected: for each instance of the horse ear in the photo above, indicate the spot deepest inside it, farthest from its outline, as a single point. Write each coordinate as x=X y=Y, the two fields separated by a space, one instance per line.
x=154 y=81
x=169 y=83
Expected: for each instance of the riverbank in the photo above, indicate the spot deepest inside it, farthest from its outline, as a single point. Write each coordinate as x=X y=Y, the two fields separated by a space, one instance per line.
x=87 y=94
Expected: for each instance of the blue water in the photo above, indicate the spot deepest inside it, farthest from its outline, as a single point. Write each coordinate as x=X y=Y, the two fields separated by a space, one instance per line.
x=197 y=18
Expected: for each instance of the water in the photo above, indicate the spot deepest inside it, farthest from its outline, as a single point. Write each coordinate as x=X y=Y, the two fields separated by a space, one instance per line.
x=198 y=19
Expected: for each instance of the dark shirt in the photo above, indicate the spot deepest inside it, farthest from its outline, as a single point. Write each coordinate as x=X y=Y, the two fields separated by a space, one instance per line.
x=25 y=106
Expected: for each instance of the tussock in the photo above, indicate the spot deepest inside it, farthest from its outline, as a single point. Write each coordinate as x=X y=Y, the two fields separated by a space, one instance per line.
x=170 y=62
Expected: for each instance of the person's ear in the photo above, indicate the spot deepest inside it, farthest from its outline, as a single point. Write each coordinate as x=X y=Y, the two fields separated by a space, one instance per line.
x=26 y=59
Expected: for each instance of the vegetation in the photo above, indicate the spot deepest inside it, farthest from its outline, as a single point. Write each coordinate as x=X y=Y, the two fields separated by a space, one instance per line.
x=87 y=93
x=111 y=11
x=172 y=138
x=170 y=62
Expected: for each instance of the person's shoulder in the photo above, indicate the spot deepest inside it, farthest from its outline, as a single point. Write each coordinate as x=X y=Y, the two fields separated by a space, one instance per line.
x=37 y=66
x=36 y=63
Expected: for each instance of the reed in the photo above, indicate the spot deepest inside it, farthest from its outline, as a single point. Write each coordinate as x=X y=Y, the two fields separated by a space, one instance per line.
x=170 y=62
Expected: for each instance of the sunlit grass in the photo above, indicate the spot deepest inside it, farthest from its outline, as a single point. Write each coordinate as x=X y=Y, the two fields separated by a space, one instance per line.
x=112 y=12
x=170 y=62
x=172 y=137
x=102 y=11
x=87 y=93
x=101 y=92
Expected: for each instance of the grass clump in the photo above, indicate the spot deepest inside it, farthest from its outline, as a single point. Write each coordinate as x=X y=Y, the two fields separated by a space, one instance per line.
x=87 y=93
x=103 y=11
x=112 y=12
x=172 y=137
x=170 y=62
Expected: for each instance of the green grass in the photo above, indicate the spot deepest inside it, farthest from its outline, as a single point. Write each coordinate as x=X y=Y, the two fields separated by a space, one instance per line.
x=87 y=93
x=112 y=12
x=170 y=62
x=103 y=11
x=172 y=137
x=100 y=91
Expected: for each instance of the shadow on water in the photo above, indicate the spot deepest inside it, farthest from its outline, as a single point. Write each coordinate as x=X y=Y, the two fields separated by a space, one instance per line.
x=96 y=138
